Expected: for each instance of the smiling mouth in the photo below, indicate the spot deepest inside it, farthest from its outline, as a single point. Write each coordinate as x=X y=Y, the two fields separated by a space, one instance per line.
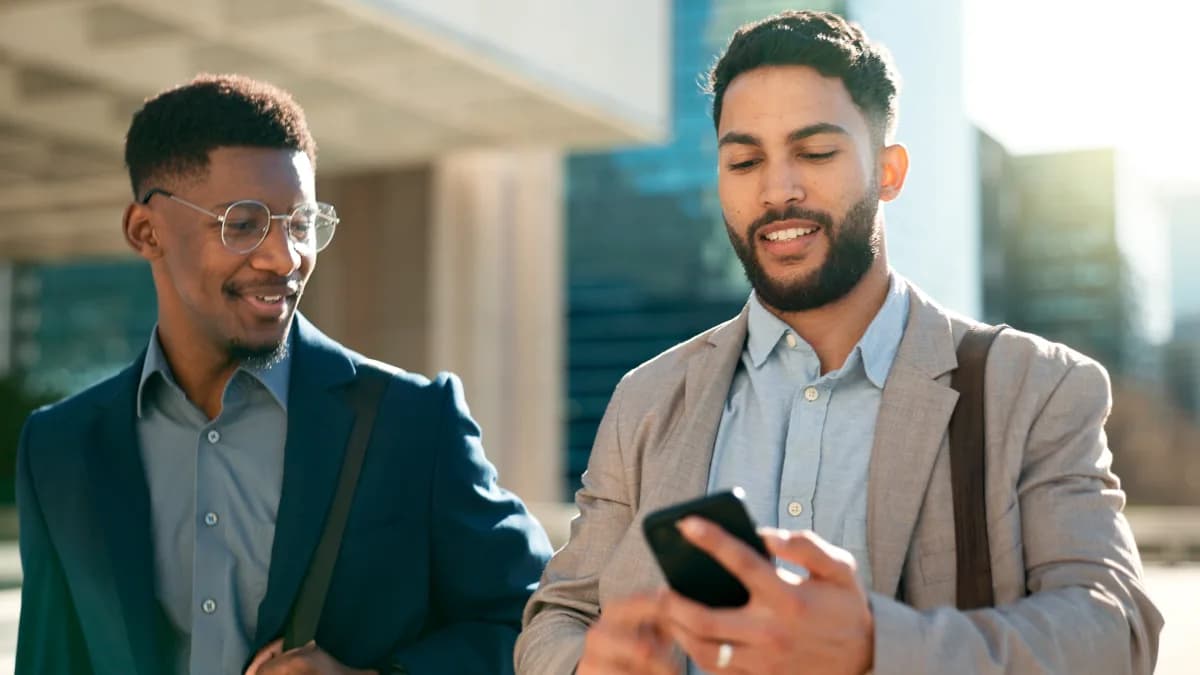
x=790 y=233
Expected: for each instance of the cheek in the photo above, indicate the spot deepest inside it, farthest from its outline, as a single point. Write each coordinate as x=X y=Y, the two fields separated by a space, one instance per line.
x=737 y=196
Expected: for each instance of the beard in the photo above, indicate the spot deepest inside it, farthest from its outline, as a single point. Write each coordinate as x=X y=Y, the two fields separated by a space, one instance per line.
x=853 y=247
x=258 y=357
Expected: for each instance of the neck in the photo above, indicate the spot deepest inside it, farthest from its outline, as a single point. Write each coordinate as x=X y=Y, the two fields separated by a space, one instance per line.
x=833 y=329
x=200 y=369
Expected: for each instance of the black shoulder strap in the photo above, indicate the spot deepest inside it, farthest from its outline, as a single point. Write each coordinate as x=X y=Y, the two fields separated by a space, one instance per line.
x=968 y=470
x=364 y=395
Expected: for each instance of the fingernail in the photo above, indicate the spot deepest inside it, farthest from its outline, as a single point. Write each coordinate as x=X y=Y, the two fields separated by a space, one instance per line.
x=691 y=526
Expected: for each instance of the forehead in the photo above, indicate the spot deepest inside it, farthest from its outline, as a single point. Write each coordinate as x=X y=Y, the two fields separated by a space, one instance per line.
x=260 y=173
x=775 y=100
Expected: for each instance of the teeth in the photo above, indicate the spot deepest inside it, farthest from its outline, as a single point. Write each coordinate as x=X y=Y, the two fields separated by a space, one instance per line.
x=793 y=233
x=269 y=298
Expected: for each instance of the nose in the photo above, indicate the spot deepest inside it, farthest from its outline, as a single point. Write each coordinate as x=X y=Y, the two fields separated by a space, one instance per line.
x=277 y=253
x=782 y=185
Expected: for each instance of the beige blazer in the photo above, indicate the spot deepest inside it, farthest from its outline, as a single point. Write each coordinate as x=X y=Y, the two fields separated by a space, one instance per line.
x=1066 y=572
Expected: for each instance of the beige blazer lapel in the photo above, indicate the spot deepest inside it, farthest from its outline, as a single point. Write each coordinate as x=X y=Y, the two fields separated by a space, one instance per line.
x=687 y=453
x=910 y=431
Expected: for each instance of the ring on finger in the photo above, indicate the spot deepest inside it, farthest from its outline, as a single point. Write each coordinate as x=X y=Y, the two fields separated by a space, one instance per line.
x=724 y=655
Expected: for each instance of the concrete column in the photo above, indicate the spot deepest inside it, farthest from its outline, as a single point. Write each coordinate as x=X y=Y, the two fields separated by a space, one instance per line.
x=933 y=231
x=458 y=266
x=497 y=308
x=370 y=289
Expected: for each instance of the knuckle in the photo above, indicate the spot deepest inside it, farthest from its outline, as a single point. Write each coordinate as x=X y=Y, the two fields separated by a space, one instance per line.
x=795 y=604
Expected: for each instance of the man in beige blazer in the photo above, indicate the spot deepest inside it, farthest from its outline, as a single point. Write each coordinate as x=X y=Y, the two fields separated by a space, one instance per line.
x=804 y=106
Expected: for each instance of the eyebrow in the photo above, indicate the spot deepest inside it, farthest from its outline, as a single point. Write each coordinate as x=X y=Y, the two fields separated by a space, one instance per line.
x=740 y=138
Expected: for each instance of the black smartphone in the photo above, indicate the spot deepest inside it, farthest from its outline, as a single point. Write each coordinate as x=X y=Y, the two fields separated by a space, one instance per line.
x=690 y=571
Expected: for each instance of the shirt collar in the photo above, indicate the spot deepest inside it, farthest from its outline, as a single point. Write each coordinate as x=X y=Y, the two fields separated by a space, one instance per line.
x=274 y=378
x=876 y=349
x=881 y=341
x=764 y=331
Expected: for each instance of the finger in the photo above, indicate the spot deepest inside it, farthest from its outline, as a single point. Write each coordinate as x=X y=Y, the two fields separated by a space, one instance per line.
x=753 y=570
x=822 y=560
x=708 y=623
x=706 y=654
x=265 y=654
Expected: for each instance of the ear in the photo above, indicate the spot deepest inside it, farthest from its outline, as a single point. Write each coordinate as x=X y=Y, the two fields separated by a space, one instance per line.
x=140 y=234
x=893 y=169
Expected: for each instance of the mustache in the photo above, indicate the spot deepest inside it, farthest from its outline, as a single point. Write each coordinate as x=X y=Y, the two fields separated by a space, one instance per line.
x=793 y=212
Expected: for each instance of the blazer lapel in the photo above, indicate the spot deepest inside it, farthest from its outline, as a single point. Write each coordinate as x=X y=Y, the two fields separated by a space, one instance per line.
x=913 y=417
x=121 y=501
x=687 y=453
x=319 y=422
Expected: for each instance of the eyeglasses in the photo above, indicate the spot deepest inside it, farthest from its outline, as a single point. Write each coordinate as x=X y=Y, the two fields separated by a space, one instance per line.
x=245 y=223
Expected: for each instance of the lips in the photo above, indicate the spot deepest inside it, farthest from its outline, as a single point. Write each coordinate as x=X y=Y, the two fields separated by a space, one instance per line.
x=785 y=230
x=268 y=301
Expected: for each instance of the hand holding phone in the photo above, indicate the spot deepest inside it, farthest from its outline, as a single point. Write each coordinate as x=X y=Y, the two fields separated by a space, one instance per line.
x=690 y=571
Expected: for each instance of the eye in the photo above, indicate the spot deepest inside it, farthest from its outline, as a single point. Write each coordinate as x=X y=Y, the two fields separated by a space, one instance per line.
x=818 y=156
x=742 y=166
x=240 y=226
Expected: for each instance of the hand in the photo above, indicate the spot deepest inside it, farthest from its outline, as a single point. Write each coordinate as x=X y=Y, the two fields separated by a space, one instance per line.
x=817 y=625
x=307 y=660
x=628 y=638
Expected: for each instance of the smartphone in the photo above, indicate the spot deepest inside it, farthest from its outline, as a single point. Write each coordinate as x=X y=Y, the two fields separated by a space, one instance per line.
x=690 y=571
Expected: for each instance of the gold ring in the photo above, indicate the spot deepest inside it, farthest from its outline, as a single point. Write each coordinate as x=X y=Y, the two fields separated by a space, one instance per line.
x=724 y=655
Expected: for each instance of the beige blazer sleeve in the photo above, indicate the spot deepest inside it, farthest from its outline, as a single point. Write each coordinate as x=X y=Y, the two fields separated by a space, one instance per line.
x=568 y=599
x=1087 y=611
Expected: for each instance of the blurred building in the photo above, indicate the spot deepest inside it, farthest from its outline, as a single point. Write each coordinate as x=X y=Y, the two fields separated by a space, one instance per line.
x=441 y=128
x=1074 y=245
x=1182 y=366
x=1183 y=353
x=1074 y=250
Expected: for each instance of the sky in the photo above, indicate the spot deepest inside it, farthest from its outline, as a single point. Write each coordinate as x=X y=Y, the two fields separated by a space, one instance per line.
x=1045 y=75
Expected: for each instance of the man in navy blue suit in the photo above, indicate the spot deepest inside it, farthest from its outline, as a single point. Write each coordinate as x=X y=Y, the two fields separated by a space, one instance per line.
x=169 y=514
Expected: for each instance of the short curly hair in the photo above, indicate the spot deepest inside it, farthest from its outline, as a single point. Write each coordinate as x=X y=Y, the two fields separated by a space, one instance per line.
x=174 y=132
x=823 y=41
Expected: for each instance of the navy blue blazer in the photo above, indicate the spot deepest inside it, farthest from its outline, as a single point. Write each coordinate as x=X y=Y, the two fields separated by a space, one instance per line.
x=435 y=567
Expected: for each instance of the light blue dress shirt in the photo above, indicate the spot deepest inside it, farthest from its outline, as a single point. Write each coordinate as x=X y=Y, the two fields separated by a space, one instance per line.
x=798 y=442
x=214 y=496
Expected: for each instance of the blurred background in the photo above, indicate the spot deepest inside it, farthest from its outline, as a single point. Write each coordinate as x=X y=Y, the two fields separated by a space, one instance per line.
x=528 y=198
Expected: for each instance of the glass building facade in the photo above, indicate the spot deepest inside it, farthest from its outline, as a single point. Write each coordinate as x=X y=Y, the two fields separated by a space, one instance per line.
x=75 y=323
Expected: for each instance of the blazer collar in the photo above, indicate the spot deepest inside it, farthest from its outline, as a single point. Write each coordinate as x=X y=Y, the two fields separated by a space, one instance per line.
x=319 y=422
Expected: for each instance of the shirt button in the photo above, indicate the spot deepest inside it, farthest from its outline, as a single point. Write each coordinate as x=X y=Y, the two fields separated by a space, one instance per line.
x=811 y=394
x=208 y=606
x=210 y=519
x=214 y=436
x=791 y=341
x=795 y=508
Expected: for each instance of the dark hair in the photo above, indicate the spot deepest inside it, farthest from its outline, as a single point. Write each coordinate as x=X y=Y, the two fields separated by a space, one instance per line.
x=174 y=131
x=824 y=41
